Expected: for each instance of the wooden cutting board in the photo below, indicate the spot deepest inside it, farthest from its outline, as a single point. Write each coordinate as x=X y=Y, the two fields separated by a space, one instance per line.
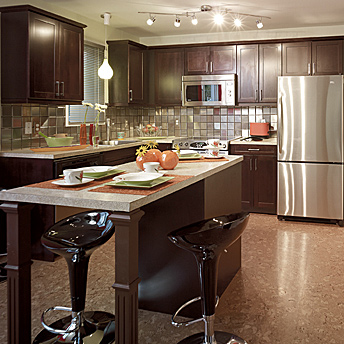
x=56 y=149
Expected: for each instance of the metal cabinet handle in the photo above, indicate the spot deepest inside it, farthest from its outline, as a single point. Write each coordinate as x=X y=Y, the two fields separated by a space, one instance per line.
x=256 y=95
x=255 y=164
x=62 y=89
x=58 y=88
x=250 y=164
x=313 y=68
x=253 y=149
x=211 y=67
x=206 y=67
x=130 y=95
x=309 y=69
x=261 y=95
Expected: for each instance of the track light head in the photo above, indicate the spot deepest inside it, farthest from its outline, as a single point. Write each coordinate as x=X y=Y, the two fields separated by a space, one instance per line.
x=177 y=22
x=237 y=22
x=194 y=20
x=259 y=24
x=218 y=19
x=150 y=20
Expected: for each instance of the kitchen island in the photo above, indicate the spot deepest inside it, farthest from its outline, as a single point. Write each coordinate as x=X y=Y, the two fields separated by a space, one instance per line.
x=204 y=189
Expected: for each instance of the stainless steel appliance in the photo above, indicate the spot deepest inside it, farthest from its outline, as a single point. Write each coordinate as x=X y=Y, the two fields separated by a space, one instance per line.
x=209 y=90
x=198 y=144
x=310 y=147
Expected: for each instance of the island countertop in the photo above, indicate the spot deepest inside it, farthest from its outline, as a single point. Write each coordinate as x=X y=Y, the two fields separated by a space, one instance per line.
x=118 y=202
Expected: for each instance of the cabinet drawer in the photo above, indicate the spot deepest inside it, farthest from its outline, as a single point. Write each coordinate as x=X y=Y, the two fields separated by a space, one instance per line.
x=119 y=156
x=254 y=149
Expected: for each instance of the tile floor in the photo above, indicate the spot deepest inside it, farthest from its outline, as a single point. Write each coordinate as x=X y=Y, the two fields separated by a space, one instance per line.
x=290 y=288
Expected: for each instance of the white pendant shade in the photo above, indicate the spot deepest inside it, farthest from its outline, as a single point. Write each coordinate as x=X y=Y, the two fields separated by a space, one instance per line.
x=105 y=71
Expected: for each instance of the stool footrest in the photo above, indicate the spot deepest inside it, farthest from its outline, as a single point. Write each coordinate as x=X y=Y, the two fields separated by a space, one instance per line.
x=190 y=322
x=73 y=327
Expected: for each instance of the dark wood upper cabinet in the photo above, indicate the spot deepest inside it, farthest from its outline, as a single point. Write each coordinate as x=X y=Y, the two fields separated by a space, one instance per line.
x=169 y=69
x=127 y=60
x=210 y=60
x=42 y=57
x=313 y=58
x=269 y=71
x=259 y=65
x=327 y=57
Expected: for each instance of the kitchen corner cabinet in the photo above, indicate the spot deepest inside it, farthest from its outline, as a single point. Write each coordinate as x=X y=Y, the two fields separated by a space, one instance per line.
x=258 y=67
x=168 y=72
x=210 y=60
x=127 y=85
x=313 y=58
x=41 y=57
x=259 y=177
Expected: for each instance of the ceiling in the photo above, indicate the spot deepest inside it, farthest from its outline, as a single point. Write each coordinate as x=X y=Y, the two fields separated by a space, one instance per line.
x=284 y=14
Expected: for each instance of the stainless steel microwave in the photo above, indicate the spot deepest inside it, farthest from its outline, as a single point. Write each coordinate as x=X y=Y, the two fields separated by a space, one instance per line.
x=208 y=90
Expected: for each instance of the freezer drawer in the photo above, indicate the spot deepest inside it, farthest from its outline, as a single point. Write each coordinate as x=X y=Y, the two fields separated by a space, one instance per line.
x=310 y=190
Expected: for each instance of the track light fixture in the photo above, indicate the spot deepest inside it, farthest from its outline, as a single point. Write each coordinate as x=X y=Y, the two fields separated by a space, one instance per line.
x=177 y=22
x=150 y=20
x=259 y=23
x=194 y=20
x=218 y=17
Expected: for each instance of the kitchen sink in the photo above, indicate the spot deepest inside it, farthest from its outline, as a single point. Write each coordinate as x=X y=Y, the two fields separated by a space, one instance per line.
x=118 y=142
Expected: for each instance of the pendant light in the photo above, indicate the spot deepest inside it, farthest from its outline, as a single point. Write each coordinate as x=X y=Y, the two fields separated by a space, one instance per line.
x=105 y=71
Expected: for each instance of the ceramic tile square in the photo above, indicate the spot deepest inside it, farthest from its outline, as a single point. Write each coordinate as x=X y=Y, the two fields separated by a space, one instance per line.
x=252 y=118
x=251 y=110
x=216 y=126
x=210 y=119
x=266 y=110
x=259 y=118
x=231 y=118
x=197 y=133
x=183 y=111
x=216 y=111
x=224 y=118
x=203 y=126
x=183 y=118
x=6 y=145
x=273 y=118
x=197 y=118
x=245 y=132
x=190 y=133
x=203 y=119
x=196 y=111
x=230 y=111
x=164 y=125
x=273 y=111
x=203 y=133
x=230 y=133
x=189 y=111
x=237 y=126
x=196 y=125
x=217 y=119
x=163 y=118
x=210 y=111
x=209 y=126
x=223 y=111
x=230 y=125
x=259 y=110
x=237 y=119
x=164 y=111
x=183 y=125
x=190 y=118
x=244 y=111
x=6 y=122
x=223 y=125
x=203 y=111
x=237 y=111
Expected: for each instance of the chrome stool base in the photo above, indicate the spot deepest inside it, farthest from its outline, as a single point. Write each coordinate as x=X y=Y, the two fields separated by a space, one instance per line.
x=220 y=338
x=98 y=328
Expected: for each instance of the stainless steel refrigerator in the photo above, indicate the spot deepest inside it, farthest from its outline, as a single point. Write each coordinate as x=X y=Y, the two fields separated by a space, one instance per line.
x=310 y=147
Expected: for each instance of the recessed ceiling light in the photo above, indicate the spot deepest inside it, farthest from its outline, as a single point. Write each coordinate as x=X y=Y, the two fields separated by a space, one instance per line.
x=237 y=22
x=218 y=18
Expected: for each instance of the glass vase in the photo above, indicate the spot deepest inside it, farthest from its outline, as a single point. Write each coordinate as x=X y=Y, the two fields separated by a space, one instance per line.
x=95 y=137
x=83 y=134
x=90 y=135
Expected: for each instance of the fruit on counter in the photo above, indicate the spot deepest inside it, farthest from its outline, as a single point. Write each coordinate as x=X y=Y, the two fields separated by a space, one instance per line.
x=169 y=160
x=149 y=128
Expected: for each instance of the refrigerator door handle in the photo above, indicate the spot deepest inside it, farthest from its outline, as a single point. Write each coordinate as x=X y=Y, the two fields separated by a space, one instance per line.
x=280 y=125
x=309 y=69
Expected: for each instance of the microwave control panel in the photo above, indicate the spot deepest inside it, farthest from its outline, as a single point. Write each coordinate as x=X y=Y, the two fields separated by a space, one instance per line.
x=230 y=92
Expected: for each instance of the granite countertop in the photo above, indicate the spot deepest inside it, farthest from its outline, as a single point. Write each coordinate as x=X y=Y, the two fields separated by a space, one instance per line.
x=115 y=201
x=269 y=141
x=27 y=153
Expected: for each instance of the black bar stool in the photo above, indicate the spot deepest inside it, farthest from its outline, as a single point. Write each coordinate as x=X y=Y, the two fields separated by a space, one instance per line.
x=206 y=240
x=75 y=238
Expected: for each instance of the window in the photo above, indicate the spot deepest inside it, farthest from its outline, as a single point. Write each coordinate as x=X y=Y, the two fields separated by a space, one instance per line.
x=93 y=87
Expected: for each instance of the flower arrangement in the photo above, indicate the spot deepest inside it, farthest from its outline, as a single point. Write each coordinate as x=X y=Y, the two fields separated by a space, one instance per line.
x=87 y=106
x=101 y=109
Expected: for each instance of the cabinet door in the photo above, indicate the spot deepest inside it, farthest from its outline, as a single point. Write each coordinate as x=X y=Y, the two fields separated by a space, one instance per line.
x=269 y=70
x=135 y=75
x=43 y=38
x=223 y=60
x=169 y=68
x=247 y=183
x=197 y=60
x=265 y=183
x=327 y=57
x=247 y=59
x=70 y=74
x=297 y=58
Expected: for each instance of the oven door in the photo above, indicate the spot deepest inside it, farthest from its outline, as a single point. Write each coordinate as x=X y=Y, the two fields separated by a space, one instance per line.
x=203 y=93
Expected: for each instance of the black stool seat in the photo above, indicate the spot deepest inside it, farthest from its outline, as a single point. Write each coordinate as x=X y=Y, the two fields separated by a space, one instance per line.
x=76 y=238
x=206 y=240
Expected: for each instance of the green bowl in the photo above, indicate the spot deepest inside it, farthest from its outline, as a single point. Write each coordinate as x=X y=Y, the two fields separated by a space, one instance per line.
x=59 y=141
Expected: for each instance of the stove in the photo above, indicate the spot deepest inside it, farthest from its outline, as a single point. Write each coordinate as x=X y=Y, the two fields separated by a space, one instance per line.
x=199 y=144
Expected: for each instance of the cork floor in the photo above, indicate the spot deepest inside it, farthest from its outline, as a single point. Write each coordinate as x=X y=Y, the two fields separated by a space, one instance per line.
x=290 y=288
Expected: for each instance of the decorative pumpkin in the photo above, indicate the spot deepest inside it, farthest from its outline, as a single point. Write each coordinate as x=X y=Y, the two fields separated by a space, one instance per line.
x=145 y=155
x=156 y=152
x=169 y=160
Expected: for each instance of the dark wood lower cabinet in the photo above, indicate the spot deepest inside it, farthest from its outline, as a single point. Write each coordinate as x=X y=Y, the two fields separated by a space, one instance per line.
x=259 y=177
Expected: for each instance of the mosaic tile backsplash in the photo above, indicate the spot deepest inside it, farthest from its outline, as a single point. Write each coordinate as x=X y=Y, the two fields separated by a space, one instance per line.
x=211 y=122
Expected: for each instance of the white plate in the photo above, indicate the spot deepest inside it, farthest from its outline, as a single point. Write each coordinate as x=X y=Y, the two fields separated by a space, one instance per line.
x=138 y=177
x=97 y=169
x=186 y=152
x=63 y=183
x=207 y=156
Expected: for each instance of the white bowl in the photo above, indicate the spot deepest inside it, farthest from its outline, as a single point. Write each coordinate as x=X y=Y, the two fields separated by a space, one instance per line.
x=139 y=177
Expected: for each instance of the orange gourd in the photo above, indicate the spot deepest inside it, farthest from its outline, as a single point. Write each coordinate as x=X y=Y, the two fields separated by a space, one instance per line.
x=169 y=160
x=148 y=157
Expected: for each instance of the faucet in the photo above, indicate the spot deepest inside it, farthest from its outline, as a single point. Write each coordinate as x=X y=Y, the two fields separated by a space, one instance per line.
x=108 y=127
